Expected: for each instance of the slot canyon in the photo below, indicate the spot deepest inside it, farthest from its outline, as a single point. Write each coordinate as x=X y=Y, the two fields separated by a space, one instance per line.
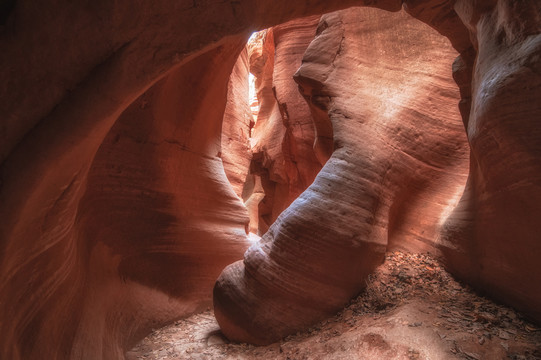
x=261 y=162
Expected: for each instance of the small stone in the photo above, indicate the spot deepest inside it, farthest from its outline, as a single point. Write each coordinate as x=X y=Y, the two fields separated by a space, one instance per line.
x=504 y=335
x=215 y=340
x=472 y=355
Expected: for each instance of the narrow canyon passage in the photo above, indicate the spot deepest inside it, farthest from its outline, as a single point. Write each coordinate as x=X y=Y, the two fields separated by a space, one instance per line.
x=399 y=162
x=133 y=171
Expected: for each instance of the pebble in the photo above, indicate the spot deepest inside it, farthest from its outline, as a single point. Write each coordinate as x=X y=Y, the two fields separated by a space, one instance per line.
x=215 y=340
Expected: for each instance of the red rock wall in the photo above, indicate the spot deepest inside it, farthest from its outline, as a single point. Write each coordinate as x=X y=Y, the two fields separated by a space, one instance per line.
x=489 y=240
x=283 y=136
x=492 y=240
x=268 y=161
x=399 y=166
x=70 y=70
x=156 y=225
x=237 y=126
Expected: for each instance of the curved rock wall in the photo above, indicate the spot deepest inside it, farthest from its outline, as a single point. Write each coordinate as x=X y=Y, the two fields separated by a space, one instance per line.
x=283 y=137
x=399 y=166
x=492 y=240
x=237 y=126
x=157 y=223
x=70 y=281
x=69 y=71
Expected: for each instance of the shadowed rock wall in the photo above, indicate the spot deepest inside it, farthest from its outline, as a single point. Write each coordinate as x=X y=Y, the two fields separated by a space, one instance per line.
x=492 y=240
x=69 y=72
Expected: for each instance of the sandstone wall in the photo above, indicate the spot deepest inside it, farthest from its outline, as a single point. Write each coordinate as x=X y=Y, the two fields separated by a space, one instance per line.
x=492 y=240
x=399 y=166
x=69 y=72
x=237 y=125
x=489 y=240
x=68 y=283
x=283 y=137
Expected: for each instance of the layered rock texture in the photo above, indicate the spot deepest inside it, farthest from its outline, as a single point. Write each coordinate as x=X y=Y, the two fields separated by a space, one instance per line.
x=116 y=215
x=237 y=126
x=146 y=231
x=283 y=137
x=109 y=231
x=492 y=239
x=383 y=84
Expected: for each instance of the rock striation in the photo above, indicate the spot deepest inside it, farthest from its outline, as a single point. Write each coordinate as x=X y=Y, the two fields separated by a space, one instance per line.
x=398 y=167
x=283 y=136
x=492 y=238
x=73 y=283
x=154 y=225
x=116 y=214
x=237 y=126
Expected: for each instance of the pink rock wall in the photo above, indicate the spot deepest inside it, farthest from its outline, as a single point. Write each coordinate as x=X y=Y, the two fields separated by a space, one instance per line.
x=283 y=137
x=70 y=71
x=68 y=287
x=156 y=224
x=237 y=126
x=492 y=239
x=399 y=166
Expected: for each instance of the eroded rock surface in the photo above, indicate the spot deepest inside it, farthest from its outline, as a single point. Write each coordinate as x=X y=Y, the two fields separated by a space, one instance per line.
x=157 y=223
x=283 y=137
x=69 y=72
x=399 y=166
x=492 y=239
x=237 y=126
x=68 y=283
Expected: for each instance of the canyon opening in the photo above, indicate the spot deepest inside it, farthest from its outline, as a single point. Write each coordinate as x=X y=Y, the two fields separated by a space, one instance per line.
x=375 y=196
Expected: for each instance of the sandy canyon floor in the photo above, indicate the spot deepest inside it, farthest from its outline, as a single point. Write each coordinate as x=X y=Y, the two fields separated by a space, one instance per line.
x=411 y=309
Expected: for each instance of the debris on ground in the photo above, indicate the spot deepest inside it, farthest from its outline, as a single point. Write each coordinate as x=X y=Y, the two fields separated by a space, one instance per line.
x=411 y=309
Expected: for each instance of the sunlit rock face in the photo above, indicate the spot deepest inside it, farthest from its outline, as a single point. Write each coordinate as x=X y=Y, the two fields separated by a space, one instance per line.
x=384 y=83
x=493 y=237
x=237 y=124
x=283 y=137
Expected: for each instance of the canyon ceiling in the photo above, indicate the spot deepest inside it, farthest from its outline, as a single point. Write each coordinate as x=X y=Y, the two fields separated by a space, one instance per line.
x=127 y=147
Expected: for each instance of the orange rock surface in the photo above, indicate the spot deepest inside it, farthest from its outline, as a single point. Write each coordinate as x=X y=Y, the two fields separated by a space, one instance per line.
x=70 y=72
x=492 y=239
x=399 y=166
x=116 y=215
x=237 y=126
x=283 y=136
